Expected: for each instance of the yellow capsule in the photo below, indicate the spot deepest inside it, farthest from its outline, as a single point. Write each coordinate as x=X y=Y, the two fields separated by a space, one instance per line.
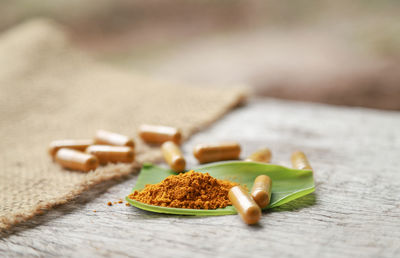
x=76 y=160
x=299 y=160
x=109 y=138
x=245 y=205
x=112 y=154
x=173 y=156
x=158 y=134
x=79 y=145
x=205 y=153
x=262 y=155
x=261 y=191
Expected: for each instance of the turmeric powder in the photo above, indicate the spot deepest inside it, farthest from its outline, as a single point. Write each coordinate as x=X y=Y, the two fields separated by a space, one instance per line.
x=191 y=190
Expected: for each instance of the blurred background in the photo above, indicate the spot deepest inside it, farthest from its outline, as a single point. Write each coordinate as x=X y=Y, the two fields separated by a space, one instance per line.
x=336 y=52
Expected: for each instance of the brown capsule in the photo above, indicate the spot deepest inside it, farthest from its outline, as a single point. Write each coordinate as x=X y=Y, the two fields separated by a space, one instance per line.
x=245 y=205
x=299 y=160
x=79 y=145
x=261 y=191
x=173 y=156
x=76 y=160
x=262 y=155
x=205 y=153
x=157 y=134
x=113 y=154
x=109 y=138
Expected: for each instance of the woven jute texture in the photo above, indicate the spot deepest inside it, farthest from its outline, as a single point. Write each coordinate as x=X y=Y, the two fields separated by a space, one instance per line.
x=49 y=90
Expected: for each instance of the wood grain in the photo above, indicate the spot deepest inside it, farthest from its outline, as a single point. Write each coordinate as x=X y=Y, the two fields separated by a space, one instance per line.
x=355 y=211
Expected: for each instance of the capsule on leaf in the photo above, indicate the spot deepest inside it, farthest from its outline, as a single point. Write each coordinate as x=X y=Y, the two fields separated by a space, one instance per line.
x=262 y=155
x=173 y=156
x=261 y=190
x=245 y=205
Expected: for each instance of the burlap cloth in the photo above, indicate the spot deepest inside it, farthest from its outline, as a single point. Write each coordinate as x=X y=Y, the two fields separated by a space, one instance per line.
x=49 y=90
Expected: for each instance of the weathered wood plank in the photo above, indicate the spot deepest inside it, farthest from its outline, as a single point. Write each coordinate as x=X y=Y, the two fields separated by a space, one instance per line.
x=354 y=212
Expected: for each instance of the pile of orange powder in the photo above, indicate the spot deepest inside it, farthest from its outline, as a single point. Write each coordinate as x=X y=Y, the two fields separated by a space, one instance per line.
x=191 y=190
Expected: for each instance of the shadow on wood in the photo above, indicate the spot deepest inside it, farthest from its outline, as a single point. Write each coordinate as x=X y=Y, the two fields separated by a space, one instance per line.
x=298 y=204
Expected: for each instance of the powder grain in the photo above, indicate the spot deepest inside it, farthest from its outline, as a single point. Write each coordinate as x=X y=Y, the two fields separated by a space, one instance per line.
x=192 y=190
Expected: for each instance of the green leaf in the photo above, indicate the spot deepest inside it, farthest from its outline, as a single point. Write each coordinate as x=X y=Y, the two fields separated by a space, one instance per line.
x=287 y=184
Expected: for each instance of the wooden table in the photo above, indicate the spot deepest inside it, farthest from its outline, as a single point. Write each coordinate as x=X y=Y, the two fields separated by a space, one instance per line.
x=355 y=211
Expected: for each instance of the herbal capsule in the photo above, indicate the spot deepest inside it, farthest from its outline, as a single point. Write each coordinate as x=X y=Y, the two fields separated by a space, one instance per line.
x=109 y=138
x=299 y=160
x=245 y=205
x=173 y=156
x=79 y=145
x=76 y=160
x=113 y=154
x=262 y=155
x=215 y=152
x=157 y=134
x=261 y=191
